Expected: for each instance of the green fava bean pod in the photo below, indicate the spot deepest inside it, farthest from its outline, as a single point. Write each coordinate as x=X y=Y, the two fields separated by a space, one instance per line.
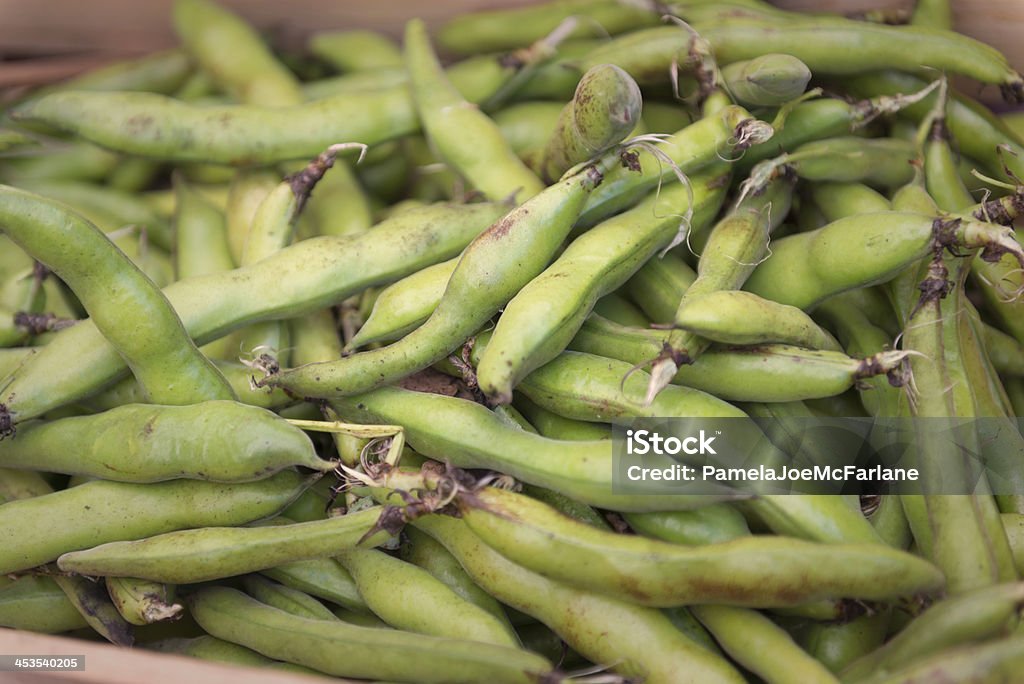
x=708 y=525
x=159 y=351
x=246 y=193
x=863 y=250
x=541 y=320
x=232 y=54
x=97 y=512
x=201 y=238
x=978 y=132
x=403 y=306
x=492 y=269
x=735 y=246
x=605 y=108
x=21 y=484
x=463 y=135
x=198 y=555
x=323 y=578
x=837 y=644
x=988 y=663
x=468 y=435
x=35 y=603
x=849 y=47
x=408 y=597
x=761 y=646
x=766 y=81
x=637 y=641
x=751 y=571
x=499 y=29
x=304 y=277
x=210 y=648
x=285 y=598
x=877 y=161
x=352 y=51
x=160 y=127
x=596 y=389
x=972 y=617
x=271 y=229
x=423 y=551
x=218 y=441
x=658 y=285
x=771 y=372
x=399 y=656
x=735 y=317
x=238 y=375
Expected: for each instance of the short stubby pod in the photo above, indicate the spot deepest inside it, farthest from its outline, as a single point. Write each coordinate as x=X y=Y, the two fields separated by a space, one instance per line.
x=605 y=108
x=219 y=441
x=767 y=81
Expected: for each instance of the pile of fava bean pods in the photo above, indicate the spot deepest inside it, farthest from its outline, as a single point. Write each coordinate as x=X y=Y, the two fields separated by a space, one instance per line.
x=309 y=359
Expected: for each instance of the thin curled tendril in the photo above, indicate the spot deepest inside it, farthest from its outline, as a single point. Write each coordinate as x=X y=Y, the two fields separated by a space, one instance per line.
x=646 y=143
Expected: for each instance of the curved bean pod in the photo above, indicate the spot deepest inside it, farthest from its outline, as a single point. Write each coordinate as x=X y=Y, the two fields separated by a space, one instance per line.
x=973 y=617
x=761 y=646
x=543 y=317
x=721 y=135
x=735 y=317
x=160 y=127
x=233 y=55
x=354 y=50
x=285 y=598
x=735 y=247
x=833 y=47
x=754 y=572
x=469 y=436
x=464 y=136
x=408 y=597
x=764 y=373
x=231 y=615
x=492 y=269
x=591 y=388
x=978 y=132
x=305 y=277
x=852 y=252
x=639 y=641
x=403 y=306
x=97 y=512
x=422 y=550
x=323 y=578
x=160 y=353
x=198 y=555
x=989 y=663
x=148 y=443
